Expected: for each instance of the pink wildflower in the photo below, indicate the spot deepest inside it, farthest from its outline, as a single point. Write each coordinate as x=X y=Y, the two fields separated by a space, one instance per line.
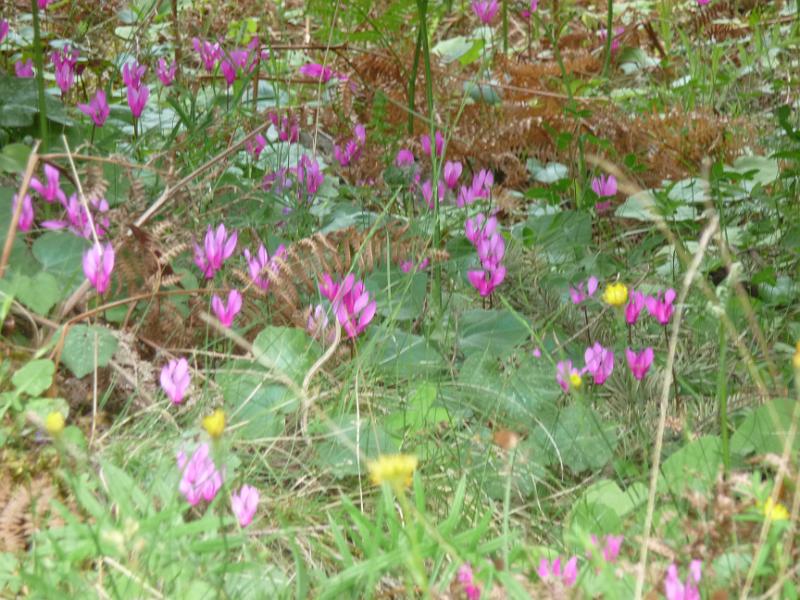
x=200 y=478
x=217 y=248
x=64 y=62
x=226 y=313
x=26 y=214
x=611 y=548
x=98 y=262
x=527 y=12
x=604 y=186
x=244 y=504
x=288 y=128
x=351 y=150
x=675 y=590
x=97 y=109
x=3 y=30
x=24 y=68
x=599 y=362
x=77 y=219
x=309 y=177
x=485 y=10
x=467 y=580
x=426 y=143
x=634 y=307
x=577 y=293
x=165 y=73
x=353 y=307
x=618 y=31
x=52 y=191
x=260 y=262
x=427 y=192
x=660 y=305
x=452 y=171
x=552 y=570
x=175 y=379
x=639 y=362
x=567 y=376
x=317 y=72
x=209 y=53
x=404 y=158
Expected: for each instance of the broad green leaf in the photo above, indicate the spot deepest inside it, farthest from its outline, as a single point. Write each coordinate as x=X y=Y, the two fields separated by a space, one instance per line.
x=287 y=349
x=763 y=170
x=604 y=504
x=561 y=235
x=338 y=453
x=418 y=413
x=493 y=332
x=14 y=158
x=582 y=440
x=61 y=253
x=694 y=466
x=257 y=401
x=765 y=430
x=79 y=348
x=403 y=354
x=35 y=377
x=39 y=293
x=400 y=296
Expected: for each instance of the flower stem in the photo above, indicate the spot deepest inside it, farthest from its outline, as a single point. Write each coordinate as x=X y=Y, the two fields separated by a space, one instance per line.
x=37 y=57
x=609 y=37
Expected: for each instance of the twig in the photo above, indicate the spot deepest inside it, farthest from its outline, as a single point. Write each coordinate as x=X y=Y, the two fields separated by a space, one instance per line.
x=691 y=271
x=12 y=227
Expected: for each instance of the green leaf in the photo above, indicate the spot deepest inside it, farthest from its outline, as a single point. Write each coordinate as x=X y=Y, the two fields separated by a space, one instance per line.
x=604 y=504
x=287 y=349
x=258 y=402
x=338 y=453
x=694 y=466
x=14 y=158
x=35 y=377
x=765 y=430
x=400 y=296
x=492 y=332
x=581 y=439
x=16 y=115
x=79 y=348
x=563 y=234
x=61 y=253
x=419 y=413
x=402 y=354
x=39 y=293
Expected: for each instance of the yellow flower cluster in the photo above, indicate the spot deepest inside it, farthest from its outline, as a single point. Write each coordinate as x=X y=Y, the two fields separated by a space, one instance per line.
x=214 y=423
x=615 y=294
x=54 y=423
x=775 y=511
x=394 y=469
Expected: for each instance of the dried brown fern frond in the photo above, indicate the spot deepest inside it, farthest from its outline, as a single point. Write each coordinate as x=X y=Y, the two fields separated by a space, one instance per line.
x=95 y=184
x=26 y=510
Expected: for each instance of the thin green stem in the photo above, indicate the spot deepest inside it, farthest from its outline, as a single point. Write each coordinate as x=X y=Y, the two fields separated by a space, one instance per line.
x=609 y=37
x=505 y=26
x=412 y=82
x=722 y=396
x=37 y=57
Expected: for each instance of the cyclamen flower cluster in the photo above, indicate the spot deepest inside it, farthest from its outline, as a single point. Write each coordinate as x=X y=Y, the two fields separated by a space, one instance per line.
x=599 y=363
x=481 y=187
x=175 y=379
x=467 y=580
x=260 y=262
x=200 y=478
x=218 y=247
x=674 y=589
x=321 y=73
x=138 y=93
x=166 y=73
x=309 y=178
x=24 y=68
x=78 y=220
x=485 y=10
x=551 y=571
x=351 y=150
x=64 y=62
x=97 y=109
x=489 y=243
x=210 y=53
x=350 y=302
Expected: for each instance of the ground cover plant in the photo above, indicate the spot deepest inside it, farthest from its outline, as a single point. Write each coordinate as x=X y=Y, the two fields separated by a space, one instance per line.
x=489 y=299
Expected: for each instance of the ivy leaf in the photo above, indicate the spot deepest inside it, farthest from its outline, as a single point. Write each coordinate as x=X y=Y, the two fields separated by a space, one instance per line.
x=35 y=377
x=79 y=348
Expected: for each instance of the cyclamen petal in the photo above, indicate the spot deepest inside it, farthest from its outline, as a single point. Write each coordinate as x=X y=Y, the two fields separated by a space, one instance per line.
x=175 y=379
x=244 y=504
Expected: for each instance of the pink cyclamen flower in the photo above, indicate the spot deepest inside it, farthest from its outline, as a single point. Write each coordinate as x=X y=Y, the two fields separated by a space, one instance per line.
x=702 y=2
x=258 y=264
x=24 y=68
x=427 y=192
x=611 y=548
x=660 y=305
x=479 y=227
x=486 y=281
x=634 y=307
x=675 y=590
x=226 y=313
x=166 y=73
x=618 y=31
x=599 y=362
x=639 y=362
x=217 y=248
x=578 y=293
x=351 y=150
x=467 y=580
x=26 y=214
x=210 y=54
x=452 y=171
x=77 y=219
x=3 y=30
x=97 y=109
x=64 y=62
x=309 y=177
x=288 y=127
x=137 y=99
x=552 y=570
x=537 y=352
x=317 y=323
x=567 y=376
x=425 y=140
x=526 y=13
x=43 y=3
x=604 y=186
x=317 y=72
x=244 y=504
x=408 y=265
x=52 y=191
x=352 y=306
x=200 y=479
x=98 y=263
x=175 y=379
x=132 y=74
x=485 y=10
x=404 y=158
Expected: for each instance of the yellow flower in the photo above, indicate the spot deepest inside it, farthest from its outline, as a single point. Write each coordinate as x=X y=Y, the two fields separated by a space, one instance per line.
x=576 y=380
x=775 y=511
x=214 y=423
x=395 y=469
x=796 y=357
x=615 y=294
x=54 y=423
